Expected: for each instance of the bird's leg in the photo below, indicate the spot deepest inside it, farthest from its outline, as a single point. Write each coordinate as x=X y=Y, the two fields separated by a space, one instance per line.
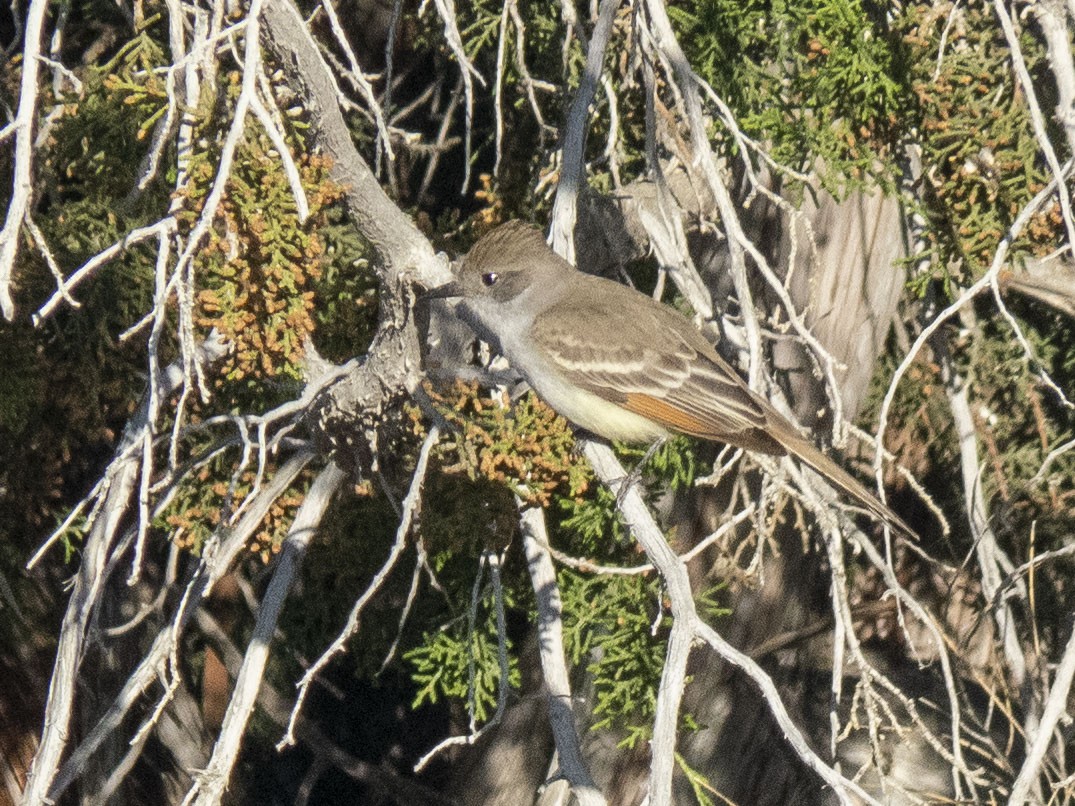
x=635 y=475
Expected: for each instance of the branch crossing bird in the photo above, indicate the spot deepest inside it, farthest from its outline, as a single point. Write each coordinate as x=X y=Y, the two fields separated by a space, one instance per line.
x=616 y=362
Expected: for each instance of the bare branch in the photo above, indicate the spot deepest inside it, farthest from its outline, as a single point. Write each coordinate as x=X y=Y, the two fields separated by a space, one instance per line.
x=666 y=44
x=403 y=250
x=278 y=710
x=955 y=754
x=165 y=226
x=115 y=494
x=274 y=129
x=211 y=782
x=1054 y=18
x=588 y=566
x=529 y=83
x=498 y=83
x=153 y=665
x=553 y=664
x=1056 y=705
x=564 y=209
x=1028 y=352
x=1051 y=281
x=23 y=129
x=440 y=145
x=690 y=629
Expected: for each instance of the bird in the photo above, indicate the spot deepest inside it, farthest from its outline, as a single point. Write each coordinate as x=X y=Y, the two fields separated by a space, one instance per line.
x=616 y=362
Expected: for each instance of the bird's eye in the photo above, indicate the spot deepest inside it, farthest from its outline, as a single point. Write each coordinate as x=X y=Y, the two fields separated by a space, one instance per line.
x=490 y=278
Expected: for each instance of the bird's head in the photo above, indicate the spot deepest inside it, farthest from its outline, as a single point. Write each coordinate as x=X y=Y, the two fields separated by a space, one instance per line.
x=507 y=264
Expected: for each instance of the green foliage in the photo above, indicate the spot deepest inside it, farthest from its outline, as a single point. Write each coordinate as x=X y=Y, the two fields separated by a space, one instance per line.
x=345 y=294
x=672 y=466
x=461 y=661
x=700 y=785
x=824 y=79
x=96 y=147
x=525 y=449
x=593 y=521
x=710 y=602
x=93 y=158
x=482 y=31
x=610 y=622
x=131 y=74
x=72 y=538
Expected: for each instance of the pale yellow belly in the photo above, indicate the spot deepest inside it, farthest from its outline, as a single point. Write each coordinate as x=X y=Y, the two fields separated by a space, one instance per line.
x=589 y=411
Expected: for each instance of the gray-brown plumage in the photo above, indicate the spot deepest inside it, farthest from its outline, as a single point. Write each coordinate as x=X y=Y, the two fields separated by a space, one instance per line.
x=616 y=362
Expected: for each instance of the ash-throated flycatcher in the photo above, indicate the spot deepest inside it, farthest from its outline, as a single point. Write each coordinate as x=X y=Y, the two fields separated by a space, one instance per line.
x=615 y=361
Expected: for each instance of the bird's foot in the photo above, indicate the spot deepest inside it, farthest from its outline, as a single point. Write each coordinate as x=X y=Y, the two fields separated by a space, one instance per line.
x=634 y=477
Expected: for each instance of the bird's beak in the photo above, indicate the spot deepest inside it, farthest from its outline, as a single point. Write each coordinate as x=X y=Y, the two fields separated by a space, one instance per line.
x=446 y=291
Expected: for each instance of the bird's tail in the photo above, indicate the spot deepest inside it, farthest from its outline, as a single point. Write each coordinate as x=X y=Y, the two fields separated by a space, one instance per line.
x=811 y=455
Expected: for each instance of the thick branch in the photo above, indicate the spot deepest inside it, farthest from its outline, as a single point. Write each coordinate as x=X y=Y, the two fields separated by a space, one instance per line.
x=401 y=246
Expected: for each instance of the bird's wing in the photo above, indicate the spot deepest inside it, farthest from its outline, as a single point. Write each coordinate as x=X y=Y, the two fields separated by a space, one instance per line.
x=675 y=378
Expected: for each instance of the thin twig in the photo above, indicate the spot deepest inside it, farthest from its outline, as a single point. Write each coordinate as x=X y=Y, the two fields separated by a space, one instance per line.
x=467 y=71
x=358 y=78
x=411 y=505
x=136 y=236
